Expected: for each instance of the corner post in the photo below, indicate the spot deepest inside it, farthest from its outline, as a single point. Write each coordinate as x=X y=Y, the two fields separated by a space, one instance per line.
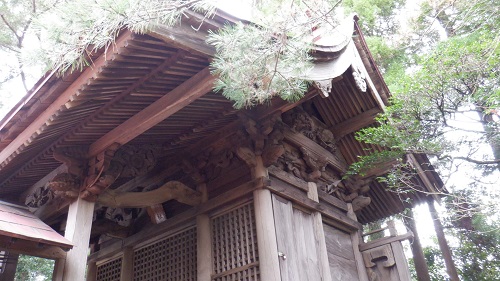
x=266 y=232
x=324 y=265
x=78 y=226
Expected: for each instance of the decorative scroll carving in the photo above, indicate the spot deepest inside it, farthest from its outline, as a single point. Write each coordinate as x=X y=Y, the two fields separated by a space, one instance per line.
x=135 y=160
x=65 y=185
x=108 y=166
x=325 y=87
x=102 y=173
x=122 y=216
x=359 y=77
x=209 y=165
x=261 y=139
x=310 y=127
x=39 y=197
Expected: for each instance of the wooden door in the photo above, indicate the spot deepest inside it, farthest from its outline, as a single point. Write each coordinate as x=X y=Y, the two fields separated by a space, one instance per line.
x=297 y=241
x=340 y=254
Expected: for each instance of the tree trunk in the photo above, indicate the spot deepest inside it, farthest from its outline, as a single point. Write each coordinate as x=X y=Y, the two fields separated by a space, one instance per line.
x=416 y=249
x=443 y=244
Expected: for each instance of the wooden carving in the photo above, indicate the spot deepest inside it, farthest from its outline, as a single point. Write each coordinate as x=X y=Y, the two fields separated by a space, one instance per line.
x=359 y=77
x=122 y=216
x=65 y=185
x=301 y=122
x=102 y=173
x=210 y=164
x=172 y=190
x=380 y=263
x=39 y=197
x=135 y=160
x=350 y=190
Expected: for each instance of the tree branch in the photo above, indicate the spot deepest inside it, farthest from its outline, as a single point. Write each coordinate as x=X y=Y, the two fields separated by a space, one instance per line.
x=480 y=162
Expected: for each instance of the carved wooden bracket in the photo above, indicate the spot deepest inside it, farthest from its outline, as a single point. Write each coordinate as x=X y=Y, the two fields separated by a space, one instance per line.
x=261 y=139
x=209 y=165
x=101 y=173
x=115 y=162
x=381 y=253
x=172 y=190
x=359 y=78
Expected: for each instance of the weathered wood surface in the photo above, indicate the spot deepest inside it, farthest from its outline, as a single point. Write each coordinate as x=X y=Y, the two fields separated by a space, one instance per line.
x=204 y=248
x=340 y=254
x=355 y=123
x=319 y=235
x=127 y=269
x=172 y=190
x=231 y=196
x=266 y=235
x=401 y=261
x=170 y=103
x=31 y=248
x=27 y=135
x=78 y=226
x=317 y=150
x=300 y=198
x=383 y=241
x=297 y=241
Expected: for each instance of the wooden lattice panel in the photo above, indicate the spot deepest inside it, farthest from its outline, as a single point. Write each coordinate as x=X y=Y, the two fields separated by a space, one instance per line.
x=234 y=241
x=170 y=259
x=110 y=270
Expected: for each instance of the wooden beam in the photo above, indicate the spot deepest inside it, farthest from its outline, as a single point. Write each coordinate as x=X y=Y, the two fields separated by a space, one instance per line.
x=383 y=241
x=337 y=161
x=355 y=123
x=175 y=100
x=34 y=128
x=300 y=198
x=170 y=190
x=31 y=248
x=231 y=196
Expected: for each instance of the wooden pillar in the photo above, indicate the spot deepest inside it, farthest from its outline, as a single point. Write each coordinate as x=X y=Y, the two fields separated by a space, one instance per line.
x=356 y=240
x=266 y=231
x=324 y=265
x=127 y=269
x=78 y=227
x=416 y=248
x=204 y=241
x=91 y=271
x=10 y=268
x=443 y=244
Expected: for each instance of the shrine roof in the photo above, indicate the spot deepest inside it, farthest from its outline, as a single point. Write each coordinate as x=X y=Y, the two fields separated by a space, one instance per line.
x=18 y=223
x=144 y=73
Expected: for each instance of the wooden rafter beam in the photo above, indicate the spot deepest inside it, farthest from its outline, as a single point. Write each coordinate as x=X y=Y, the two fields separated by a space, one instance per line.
x=26 y=136
x=355 y=123
x=175 y=100
x=172 y=190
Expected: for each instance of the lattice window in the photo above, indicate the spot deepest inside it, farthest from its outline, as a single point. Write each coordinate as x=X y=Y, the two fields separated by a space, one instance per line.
x=234 y=248
x=170 y=259
x=110 y=270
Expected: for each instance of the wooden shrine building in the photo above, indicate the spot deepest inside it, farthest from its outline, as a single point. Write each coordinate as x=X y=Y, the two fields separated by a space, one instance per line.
x=138 y=160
